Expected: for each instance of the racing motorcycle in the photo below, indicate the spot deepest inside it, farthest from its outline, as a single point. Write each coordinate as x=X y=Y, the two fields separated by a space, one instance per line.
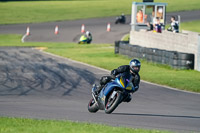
x=120 y=19
x=112 y=94
x=84 y=40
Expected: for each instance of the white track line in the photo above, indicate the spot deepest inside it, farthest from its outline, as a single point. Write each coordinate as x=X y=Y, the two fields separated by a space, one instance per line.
x=109 y=72
x=24 y=36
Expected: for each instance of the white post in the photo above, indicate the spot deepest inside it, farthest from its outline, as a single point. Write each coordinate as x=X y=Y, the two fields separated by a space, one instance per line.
x=179 y=22
x=133 y=16
x=197 y=64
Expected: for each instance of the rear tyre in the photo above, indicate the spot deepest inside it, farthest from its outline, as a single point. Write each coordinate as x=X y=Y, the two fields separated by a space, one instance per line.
x=92 y=106
x=112 y=103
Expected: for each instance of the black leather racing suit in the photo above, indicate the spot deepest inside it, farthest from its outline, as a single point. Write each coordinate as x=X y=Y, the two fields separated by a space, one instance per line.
x=122 y=69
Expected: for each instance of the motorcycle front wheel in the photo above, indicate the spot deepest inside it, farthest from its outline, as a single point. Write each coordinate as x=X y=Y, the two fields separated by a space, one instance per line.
x=92 y=106
x=112 y=103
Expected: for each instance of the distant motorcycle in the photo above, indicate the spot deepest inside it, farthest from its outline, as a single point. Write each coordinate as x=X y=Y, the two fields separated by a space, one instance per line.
x=121 y=19
x=84 y=40
x=112 y=94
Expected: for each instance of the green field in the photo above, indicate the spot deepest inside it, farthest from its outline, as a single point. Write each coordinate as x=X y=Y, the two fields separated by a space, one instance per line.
x=43 y=11
x=102 y=55
x=20 y=125
x=191 y=26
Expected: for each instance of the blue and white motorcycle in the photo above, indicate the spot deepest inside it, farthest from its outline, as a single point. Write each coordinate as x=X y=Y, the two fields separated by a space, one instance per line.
x=112 y=94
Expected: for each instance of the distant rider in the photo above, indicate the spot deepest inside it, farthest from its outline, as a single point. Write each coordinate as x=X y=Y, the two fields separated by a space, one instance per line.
x=123 y=18
x=133 y=68
x=88 y=35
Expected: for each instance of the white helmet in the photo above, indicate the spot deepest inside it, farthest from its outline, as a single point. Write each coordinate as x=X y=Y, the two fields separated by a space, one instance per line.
x=87 y=33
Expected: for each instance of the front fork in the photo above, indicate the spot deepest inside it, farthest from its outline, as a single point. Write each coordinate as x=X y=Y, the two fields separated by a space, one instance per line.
x=93 y=94
x=94 y=99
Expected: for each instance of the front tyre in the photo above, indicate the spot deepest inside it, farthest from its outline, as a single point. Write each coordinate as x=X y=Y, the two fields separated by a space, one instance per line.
x=92 y=106
x=112 y=103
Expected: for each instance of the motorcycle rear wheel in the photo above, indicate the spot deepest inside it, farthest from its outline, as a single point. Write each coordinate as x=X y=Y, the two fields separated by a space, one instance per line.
x=92 y=106
x=112 y=104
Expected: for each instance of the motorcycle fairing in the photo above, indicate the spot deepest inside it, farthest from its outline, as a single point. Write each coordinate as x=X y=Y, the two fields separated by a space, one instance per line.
x=122 y=82
x=83 y=38
x=109 y=87
x=104 y=92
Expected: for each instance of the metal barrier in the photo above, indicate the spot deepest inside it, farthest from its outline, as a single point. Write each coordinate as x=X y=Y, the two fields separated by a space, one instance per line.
x=175 y=59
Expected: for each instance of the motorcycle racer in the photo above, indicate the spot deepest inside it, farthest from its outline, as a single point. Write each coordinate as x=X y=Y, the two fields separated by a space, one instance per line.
x=121 y=19
x=133 y=68
x=86 y=38
x=89 y=37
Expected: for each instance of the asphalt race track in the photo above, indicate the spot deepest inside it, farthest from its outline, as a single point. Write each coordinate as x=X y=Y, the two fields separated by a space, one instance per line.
x=34 y=84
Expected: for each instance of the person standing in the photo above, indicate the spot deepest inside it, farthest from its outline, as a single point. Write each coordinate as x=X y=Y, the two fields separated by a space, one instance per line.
x=174 y=25
x=140 y=16
x=158 y=26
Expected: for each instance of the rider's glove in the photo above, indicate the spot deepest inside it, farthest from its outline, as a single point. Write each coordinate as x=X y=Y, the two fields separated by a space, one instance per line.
x=114 y=72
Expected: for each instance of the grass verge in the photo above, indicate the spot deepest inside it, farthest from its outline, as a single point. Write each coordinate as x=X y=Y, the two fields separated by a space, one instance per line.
x=102 y=55
x=21 y=125
x=191 y=26
x=44 y=11
x=126 y=37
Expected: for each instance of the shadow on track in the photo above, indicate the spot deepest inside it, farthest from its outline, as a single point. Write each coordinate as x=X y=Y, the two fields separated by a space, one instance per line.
x=27 y=72
x=156 y=115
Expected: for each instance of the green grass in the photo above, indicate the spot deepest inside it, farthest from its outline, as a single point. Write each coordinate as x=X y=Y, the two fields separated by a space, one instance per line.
x=126 y=37
x=191 y=26
x=43 y=11
x=102 y=55
x=21 y=125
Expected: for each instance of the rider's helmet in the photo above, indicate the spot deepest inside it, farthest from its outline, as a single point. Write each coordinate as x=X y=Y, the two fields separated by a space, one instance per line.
x=87 y=33
x=135 y=65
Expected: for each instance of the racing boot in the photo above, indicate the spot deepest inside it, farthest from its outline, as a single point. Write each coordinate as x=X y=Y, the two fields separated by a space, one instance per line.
x=128 y=98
